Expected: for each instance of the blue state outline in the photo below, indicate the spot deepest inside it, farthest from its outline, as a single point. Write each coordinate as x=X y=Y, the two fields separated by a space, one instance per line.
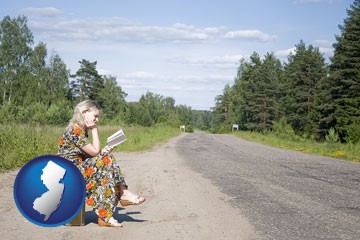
x=68 y=163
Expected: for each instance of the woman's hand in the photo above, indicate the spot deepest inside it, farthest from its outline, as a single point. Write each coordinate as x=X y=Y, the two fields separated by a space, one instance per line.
x=107 y=149
x=90 y=120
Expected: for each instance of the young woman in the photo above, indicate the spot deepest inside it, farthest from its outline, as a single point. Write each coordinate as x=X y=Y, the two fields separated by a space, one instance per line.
x=105 y=184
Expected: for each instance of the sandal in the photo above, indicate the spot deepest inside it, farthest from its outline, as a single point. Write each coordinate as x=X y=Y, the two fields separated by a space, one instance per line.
x=136 y=200
x=112 y=223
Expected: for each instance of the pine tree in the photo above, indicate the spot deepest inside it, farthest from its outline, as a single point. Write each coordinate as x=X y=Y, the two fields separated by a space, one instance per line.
x=268 y=91
x=255 y=95
x=303 y=73
x=243 y=105
x=88 y=83
x=342 y=107
x=221 y=108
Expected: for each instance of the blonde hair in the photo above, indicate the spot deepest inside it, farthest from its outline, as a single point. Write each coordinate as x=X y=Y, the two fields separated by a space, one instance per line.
x=77 y=119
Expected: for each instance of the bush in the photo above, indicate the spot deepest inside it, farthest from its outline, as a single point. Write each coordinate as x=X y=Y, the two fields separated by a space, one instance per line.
x=58 y=114
x=20 y=143
x=332 y=136
x=353 y=133
x=225 y=128
x=283 y=129
x=7 y=113
x=33 y=113
x=189 y=129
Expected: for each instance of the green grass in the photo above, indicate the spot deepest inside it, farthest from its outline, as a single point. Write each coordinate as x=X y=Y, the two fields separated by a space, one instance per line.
x=21 y=143
x=139 y=138
x=337 y=150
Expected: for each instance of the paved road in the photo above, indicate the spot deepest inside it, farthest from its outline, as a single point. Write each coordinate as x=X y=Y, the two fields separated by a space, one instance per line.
x=284 y=194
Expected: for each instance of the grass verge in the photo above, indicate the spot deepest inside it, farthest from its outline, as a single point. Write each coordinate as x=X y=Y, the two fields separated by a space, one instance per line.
x=21 y=143
x=337 y=150
x=139 y=138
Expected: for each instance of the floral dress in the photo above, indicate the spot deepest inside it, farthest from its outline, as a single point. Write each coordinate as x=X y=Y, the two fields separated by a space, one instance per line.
x=102 y=175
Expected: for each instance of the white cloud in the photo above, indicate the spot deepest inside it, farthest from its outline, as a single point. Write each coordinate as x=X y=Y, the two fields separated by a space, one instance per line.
x=104 y=71
x=139 y=75
x=325 y=47
x=322 y=42
x=111 y=37
x=250 y=35
x=327 y=51
x=213 y=30
x=42 y=12
x=197 y=91
x=119 y=29
x=223 y=61
x=285 y=52
x=146 y=80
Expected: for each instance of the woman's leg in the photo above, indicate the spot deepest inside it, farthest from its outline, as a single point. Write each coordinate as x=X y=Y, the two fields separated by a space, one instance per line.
x=100 y=187
x=125 y=196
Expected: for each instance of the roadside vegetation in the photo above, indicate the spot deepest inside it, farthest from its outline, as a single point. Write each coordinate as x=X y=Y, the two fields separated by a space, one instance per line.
x=20 y=143
x=329 y=148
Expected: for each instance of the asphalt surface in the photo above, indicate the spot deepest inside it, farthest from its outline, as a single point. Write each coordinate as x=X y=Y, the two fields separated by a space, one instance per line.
x=284 y=194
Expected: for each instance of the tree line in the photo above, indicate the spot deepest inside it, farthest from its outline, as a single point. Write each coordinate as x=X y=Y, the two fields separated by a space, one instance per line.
x=305 y=93
x=40 y=89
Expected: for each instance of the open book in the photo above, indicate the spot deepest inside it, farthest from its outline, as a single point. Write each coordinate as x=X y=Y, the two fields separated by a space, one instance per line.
x=116 y=139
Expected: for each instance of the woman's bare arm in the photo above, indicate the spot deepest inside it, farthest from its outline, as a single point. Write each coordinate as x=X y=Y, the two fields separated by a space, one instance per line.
x=93 y=149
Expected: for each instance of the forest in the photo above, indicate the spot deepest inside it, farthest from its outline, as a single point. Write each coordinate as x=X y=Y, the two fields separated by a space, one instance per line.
x=307 y=94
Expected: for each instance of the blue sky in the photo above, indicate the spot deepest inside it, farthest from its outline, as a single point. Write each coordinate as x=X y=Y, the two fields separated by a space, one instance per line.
x=185 y=49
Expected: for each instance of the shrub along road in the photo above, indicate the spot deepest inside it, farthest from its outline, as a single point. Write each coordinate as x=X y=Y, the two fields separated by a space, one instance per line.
x=202 y=186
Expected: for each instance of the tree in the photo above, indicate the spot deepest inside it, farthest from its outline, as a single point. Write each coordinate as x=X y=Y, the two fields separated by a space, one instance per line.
x=88 y=83
x=15 y=51
x=184 y=114
x=57 y=84
x=267 y=93
x=221 y=109
x=202 y=119
x=169 y=104
x=303 y=73
x=341 y=107
x=153 y=103
x=255 y=95
x=136 y=113
x=38 y=77
x=113 y=98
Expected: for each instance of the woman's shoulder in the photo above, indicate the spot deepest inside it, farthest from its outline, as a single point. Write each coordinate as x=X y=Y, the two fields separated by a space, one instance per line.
x=74 y=130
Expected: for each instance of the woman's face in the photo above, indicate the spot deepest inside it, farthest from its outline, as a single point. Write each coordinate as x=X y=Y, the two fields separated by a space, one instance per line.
x=94 y=114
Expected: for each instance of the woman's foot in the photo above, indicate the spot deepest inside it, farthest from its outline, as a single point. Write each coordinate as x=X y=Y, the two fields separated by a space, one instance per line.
x=111 y=223
x=128 y=198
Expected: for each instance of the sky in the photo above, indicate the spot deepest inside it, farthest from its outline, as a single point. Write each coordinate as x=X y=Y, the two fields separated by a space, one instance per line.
x=184 y=49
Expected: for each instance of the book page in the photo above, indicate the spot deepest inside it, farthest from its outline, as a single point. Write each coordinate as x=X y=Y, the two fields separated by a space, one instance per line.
x=116 y=139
